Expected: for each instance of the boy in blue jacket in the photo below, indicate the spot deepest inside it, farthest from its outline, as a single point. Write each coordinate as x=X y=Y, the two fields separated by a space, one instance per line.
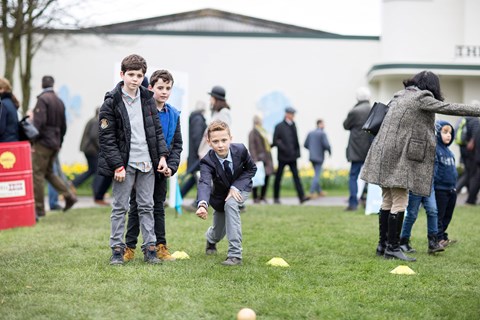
x=445 y=180
x=161 y=83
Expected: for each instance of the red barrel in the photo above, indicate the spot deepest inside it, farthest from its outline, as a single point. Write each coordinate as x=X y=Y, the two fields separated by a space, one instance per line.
x=17 y=204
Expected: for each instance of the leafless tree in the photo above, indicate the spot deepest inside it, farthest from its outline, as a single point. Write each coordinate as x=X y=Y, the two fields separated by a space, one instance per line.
x=25 y=25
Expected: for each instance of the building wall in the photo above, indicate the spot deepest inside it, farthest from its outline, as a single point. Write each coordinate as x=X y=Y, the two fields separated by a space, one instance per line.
x=316 y=76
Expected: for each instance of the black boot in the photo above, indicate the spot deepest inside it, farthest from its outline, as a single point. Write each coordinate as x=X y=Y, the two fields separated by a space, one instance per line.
x=382 y=230
x=405 y=245
x=393 y=238
x=433 y=245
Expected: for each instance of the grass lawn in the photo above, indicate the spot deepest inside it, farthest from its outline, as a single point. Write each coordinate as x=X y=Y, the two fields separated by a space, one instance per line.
x=59 y=270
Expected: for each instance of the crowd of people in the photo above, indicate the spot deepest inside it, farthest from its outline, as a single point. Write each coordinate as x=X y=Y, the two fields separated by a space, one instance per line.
x=133 y=143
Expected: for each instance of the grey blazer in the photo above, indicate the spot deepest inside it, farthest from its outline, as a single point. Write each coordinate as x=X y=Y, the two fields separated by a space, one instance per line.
x=402 y=155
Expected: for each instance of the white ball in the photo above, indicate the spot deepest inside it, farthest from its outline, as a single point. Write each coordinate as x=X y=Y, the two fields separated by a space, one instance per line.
x=246 y=314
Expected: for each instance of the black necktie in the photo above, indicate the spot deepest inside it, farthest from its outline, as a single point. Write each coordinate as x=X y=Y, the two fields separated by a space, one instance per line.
x=228 y=171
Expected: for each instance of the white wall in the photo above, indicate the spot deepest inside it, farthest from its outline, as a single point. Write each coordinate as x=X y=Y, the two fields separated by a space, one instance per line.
x=318 y=76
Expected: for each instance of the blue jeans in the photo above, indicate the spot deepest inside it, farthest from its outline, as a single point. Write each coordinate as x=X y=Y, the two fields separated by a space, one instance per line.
x=430 y=205
x=315 y=187
x=352 y=183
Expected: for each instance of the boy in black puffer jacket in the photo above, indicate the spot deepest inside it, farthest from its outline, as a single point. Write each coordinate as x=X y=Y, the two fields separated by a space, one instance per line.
x=132 y=148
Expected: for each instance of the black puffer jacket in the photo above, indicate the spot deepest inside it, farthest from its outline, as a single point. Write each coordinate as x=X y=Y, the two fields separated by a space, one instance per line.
x=115 y=131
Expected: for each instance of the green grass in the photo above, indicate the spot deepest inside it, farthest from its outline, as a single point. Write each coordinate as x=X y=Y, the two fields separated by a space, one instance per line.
x=59 y=270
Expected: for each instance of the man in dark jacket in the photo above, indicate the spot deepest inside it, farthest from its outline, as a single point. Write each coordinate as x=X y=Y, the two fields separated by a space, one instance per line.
x=285 y=138
x=49 y=119
x=358 y=143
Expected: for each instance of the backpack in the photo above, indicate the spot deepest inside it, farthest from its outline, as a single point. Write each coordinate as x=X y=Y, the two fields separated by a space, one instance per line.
x=461 y=133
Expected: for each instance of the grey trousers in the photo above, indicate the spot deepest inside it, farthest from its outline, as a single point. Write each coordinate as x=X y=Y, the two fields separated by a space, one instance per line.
x=143 y=183
x=228 y=223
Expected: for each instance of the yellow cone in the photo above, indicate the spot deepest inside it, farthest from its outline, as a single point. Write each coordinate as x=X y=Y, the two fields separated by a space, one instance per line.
x=180 y=255
x=402 y=270
x=278 y=262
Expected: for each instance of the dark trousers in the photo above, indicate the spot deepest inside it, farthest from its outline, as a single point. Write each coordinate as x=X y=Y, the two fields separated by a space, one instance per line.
x=133 y=225
x=42 y=163
x=188 y=184
x=296 y=179
x=263 y=190
x=474 y=186
x=446 y=200
x=92 y=161
x=100 y=186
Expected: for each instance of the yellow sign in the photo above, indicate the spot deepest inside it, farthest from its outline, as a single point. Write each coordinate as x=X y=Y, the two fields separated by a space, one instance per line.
x=7 y=160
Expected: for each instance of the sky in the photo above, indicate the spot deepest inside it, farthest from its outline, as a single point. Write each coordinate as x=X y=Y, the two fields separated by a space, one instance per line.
x=347 y=17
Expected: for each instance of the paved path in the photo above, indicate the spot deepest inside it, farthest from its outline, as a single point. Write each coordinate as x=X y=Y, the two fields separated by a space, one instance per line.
x=87 y=202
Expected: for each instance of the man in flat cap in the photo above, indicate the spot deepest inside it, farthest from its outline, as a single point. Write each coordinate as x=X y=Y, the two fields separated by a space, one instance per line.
x=288 y=150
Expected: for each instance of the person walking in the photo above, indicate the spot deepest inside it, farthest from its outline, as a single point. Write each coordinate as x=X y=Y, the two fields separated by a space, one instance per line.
x=196 y=127
x=260 y=150
x=402 y=155
x=317 y=143
x=8 y=113
x=358 y=142
x=285 y=138
x=49 y=119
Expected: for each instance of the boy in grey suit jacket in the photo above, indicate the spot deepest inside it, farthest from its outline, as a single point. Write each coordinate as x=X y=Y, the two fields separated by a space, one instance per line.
x=225 y=182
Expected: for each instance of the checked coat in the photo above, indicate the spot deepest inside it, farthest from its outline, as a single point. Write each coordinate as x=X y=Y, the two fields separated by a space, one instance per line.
x=402 y=155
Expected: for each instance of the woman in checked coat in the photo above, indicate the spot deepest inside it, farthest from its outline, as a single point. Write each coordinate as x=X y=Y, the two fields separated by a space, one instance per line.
x=402 y=155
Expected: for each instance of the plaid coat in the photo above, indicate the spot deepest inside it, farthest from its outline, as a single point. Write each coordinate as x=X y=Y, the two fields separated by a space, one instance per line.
x=402 y=155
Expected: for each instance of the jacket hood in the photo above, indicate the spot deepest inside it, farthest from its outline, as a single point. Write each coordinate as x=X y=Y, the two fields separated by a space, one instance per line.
x=438 y=127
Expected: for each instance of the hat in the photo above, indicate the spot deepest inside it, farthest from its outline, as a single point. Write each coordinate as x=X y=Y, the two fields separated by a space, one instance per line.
x=218 y=93
x=290 y=110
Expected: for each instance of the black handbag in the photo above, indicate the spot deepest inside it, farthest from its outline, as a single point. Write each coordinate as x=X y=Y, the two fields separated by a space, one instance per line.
x=27 y=130
x=375 y=118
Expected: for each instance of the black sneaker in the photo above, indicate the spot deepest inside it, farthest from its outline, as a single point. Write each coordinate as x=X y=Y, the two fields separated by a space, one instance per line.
x=210 y=249
x=117 y=256
x=150 y=255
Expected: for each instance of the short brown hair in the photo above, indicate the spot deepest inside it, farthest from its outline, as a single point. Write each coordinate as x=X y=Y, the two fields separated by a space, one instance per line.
x=217 y=125
x=161 y=74
x=134 y=62
x=47 y=82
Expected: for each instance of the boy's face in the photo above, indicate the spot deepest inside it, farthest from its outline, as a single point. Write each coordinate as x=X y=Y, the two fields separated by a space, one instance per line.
x=446 y=133
x=161 y=91
x=220 y=142
x=132 y=79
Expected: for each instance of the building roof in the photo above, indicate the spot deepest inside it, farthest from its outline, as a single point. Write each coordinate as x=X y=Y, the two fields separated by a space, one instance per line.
x=214 y=22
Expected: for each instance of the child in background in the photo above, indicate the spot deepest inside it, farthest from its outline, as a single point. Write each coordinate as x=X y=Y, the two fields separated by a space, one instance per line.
x=226 y=173
x=445 y=180
x=161 y=83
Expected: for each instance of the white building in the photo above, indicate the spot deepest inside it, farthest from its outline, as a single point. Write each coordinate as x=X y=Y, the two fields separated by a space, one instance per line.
x=266 y=65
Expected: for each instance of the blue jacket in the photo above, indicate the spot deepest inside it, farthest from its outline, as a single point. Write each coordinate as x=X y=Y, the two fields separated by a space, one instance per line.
x=445 y=176
x=8 y=120
x=317 y=143
x=172 y=132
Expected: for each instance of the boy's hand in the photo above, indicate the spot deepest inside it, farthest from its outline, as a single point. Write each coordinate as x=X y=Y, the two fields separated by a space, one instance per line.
x=120 y=174
x=168 y=173
x=162 y=165
x=202 y=213
x=235 y=194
